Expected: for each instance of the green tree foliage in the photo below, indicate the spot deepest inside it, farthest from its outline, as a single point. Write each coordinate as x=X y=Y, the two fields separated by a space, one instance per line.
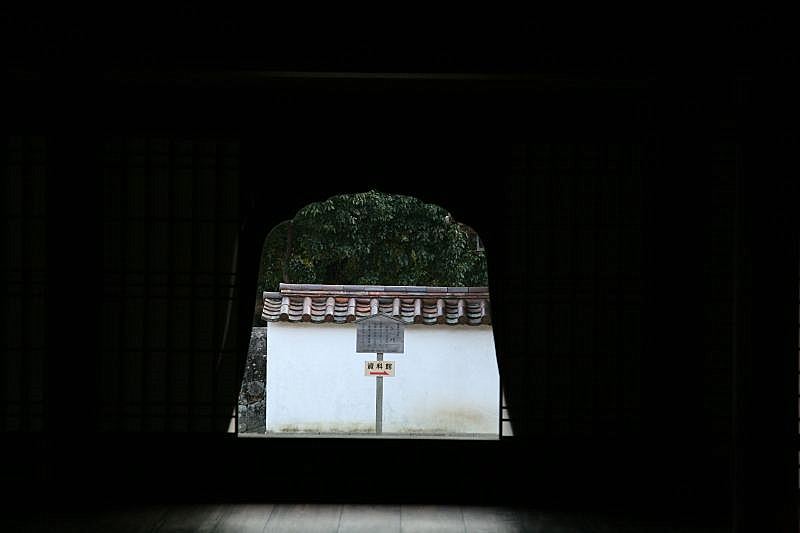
x=372 y=238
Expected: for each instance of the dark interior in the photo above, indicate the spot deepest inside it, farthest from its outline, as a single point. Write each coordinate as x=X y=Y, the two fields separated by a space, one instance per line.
x=640 y=226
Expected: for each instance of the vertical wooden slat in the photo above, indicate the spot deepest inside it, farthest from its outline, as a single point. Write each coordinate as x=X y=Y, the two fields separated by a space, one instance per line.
x=169 y=395
x=147 y=351
x=569 y=183
x=193 y=279
x=122 y=344
x=217 y=304
x=27 y=289
x=549 y=391
x=41 y=339
x=620 y=293
x=636 y=172
x=4 y=365
x=502 y=407
x=596 y=307
x=12 y=212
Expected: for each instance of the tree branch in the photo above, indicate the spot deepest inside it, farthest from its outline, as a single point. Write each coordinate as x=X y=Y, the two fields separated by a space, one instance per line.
x=287 y=254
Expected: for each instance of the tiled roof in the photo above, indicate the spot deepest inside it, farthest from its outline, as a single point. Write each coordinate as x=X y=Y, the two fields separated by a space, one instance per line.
x=347 y=303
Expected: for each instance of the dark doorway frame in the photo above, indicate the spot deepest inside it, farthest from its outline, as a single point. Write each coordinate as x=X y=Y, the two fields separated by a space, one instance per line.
x=439 y=116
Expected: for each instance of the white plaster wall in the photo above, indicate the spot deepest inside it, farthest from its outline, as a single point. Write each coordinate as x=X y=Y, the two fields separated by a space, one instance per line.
x=446 y=381
x=315 y=380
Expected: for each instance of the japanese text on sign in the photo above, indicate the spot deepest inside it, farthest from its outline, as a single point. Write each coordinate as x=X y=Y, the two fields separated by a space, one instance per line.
x=379 y=334
x=379 y=368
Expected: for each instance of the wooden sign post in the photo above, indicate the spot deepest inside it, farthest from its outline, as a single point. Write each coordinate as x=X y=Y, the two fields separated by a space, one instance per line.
x=379 y=334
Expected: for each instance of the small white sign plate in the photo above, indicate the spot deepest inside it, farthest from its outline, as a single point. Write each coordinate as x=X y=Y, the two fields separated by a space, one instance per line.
x=379 y=334
x=379 y=368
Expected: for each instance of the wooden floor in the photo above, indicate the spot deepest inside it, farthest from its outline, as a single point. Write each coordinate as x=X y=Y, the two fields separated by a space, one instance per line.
x=309 y=518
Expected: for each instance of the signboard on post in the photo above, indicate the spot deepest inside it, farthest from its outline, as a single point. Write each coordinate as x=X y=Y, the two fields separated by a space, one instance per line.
x=379 y=334
x=379 y=368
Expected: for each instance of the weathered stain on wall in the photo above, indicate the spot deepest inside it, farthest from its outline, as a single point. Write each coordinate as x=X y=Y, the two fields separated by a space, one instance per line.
x=325 y=427
x=461 y=417
x=442 y=418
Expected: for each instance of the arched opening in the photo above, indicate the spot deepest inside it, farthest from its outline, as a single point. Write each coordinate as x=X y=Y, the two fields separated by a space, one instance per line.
x=326 y=277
